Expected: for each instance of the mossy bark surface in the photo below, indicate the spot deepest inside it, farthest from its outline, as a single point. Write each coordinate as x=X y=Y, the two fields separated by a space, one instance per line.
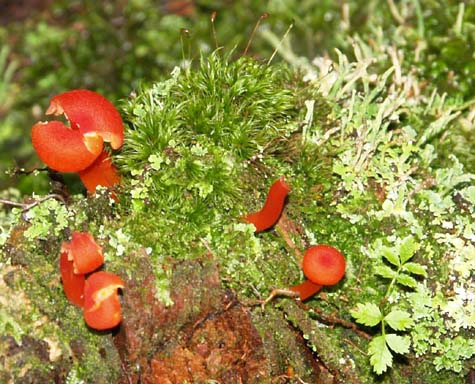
x=202 y=148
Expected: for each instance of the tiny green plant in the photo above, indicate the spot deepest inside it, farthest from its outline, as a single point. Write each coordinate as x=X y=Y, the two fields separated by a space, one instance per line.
x=394 y=266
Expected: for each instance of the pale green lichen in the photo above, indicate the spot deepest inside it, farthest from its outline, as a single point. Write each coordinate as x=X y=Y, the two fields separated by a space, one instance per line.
x=73 y=377
x=380 y=151
x=49 y=217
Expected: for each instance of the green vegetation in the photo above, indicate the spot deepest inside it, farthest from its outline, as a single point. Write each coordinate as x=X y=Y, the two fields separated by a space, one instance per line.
x=367 y=110
x=113 y=47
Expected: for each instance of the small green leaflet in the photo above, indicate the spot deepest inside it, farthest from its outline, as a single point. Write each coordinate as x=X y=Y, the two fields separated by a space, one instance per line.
x=399 y=320
x=415 y=268
x=380 y=355
x=406 y=280
x=408 y=248
x=368 y=314
x=400 y=254
x=390 y=255
x=399 y=344
x=385 y=271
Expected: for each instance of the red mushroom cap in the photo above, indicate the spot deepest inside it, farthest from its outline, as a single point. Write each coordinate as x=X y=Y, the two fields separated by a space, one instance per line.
x=73 y=283
x=64 y=149
x=101 y=300
x=84 y=252
x=323 y=265
x=90 y=112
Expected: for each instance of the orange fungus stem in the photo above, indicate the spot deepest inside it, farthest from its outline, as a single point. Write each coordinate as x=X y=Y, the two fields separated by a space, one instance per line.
x=306 y=289
x=270 y=213
x=101 y=173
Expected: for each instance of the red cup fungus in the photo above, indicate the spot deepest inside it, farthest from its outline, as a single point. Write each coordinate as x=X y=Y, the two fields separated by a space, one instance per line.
x=84 y=252
x=322 y=265
x=97 y=294
x=64 y=149
x=272 y=209
x=100 y=173
x=78 y=257
x=93 y=120
x=101 y=300
x=90 y=113
x=73 y=284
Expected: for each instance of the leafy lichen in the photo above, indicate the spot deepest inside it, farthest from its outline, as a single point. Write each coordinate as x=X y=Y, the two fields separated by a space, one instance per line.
x=417 y=196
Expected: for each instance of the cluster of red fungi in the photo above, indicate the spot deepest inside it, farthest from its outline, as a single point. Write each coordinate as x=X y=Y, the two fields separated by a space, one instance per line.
x=321 y=264
x=97 y=294
x=79 y=148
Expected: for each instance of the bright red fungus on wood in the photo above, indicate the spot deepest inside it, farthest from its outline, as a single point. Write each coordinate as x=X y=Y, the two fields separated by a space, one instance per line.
x=64 y=149
x=85 y=254
x=78 y=257
x=100 y=173
x=90 y=112
x=322 y=265
x=79 y=147
x=101 y=300
x=270 y=213
x=97 y=294
x=73 y=284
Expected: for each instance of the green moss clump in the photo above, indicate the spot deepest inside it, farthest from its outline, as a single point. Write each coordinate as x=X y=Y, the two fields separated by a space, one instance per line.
x=193 y=144
x=242 y=107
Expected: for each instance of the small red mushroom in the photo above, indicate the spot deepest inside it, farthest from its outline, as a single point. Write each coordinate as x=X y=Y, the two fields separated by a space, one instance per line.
x=84 y=252
x=93 y=119
x=272 y=209
x=101 y=300
x=64 y=149
x=73 y=283
x=78 y=257
x=90 y=112
x=100 y=173
x=322 y=265
x=79 y=147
